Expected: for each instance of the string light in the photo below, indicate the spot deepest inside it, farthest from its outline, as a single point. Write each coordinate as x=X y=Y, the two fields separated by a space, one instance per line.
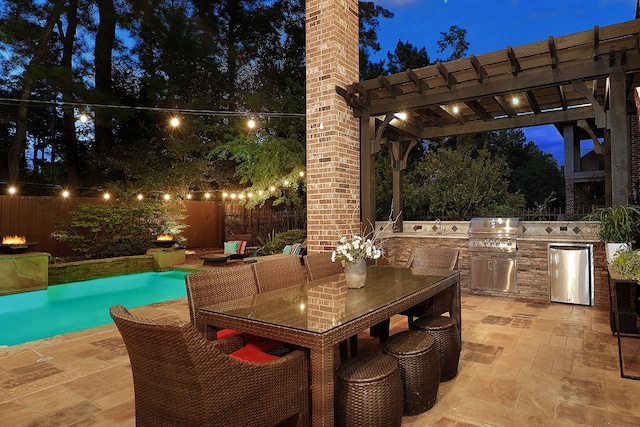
x=242 y=195
x=83 y=105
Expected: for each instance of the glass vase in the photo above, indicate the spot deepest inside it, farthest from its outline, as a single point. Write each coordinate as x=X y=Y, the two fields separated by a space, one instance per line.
x=355 y=273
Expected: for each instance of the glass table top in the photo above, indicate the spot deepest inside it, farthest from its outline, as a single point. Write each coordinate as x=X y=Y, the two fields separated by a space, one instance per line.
x=320 y=305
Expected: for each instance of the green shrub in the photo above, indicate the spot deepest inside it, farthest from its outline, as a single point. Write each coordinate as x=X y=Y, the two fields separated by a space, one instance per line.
x=118 y=228
x=275 y=242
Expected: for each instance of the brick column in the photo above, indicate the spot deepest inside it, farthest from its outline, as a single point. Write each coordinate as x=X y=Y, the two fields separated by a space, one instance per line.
x=332 y=134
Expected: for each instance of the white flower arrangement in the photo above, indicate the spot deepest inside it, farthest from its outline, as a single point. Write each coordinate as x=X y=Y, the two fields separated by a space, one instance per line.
x=358 y=248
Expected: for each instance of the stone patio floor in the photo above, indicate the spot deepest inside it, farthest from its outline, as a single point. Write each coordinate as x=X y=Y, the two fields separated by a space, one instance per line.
x=523 y=363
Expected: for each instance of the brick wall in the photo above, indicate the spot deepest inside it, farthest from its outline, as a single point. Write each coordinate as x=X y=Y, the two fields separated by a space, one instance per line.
x=332 y=134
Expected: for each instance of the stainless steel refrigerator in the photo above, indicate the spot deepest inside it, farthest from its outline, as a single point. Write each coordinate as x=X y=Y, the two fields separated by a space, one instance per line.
x=571 y=273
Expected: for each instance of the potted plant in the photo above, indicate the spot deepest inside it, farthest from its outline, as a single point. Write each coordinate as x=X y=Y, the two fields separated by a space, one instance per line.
x=627 y=264
x=618 y=227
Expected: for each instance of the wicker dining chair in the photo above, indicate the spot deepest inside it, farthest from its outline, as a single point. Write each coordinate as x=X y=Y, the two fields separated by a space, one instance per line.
x=182 y=379
x=432 y=258
x=216 y=286
x=319 y=266
x=278 y=273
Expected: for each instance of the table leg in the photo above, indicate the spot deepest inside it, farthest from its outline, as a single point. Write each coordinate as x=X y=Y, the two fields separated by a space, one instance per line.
x=322 y=387
x=456 y=307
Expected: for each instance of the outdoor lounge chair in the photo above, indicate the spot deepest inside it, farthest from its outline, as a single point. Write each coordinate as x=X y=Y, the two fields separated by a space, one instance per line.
x=182 y=379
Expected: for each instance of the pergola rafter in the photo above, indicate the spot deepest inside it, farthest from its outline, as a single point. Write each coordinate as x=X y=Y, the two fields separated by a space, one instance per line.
x=559 y=80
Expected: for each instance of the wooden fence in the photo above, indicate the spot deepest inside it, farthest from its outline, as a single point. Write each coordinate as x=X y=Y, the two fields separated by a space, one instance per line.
x=262 y=221
x=35 y=218
x=209 y=221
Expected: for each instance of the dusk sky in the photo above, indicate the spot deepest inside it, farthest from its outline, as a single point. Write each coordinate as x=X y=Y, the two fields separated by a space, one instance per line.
x=495 y=24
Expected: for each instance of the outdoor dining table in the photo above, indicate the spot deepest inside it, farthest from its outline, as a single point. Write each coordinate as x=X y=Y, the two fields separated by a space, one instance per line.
x=319 y=314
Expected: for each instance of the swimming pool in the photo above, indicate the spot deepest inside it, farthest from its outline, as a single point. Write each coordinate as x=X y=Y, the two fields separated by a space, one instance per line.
x=75 y=306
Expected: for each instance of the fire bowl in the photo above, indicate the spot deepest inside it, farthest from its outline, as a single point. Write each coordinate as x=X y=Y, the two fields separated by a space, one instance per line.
x=163 y=243
x=16 y=249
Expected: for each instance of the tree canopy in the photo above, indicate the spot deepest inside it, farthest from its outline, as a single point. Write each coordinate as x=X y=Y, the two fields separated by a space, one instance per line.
x=210 y=65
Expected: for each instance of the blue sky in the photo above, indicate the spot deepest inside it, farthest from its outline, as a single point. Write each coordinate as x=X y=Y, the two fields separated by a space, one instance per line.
x=495 y=24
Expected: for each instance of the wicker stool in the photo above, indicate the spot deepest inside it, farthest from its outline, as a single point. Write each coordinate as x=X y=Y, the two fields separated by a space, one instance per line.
x=419 y=369
x=369 y=392
x=445 y=331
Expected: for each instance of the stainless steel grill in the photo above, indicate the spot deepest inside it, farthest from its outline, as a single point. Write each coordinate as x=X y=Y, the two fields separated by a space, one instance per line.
x=493 y=249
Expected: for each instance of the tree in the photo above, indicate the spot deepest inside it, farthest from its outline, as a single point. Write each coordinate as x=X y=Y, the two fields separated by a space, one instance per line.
x=29 y=79
x=535 y=174
x=103 y=91
x=66 y=85
x=406 y=57
x=369 y=16
x=459 y=184
x=454 y=39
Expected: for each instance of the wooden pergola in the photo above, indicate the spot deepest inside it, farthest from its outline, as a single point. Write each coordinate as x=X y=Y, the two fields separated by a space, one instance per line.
x=586 y=79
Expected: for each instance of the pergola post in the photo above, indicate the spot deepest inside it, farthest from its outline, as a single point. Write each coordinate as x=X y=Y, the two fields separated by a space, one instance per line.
x=332 y=132
x=571 y=165
x=368 y=172
x=619 y=139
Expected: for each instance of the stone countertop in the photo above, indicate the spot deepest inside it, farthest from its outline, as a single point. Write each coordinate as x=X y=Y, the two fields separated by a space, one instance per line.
x=528 y=231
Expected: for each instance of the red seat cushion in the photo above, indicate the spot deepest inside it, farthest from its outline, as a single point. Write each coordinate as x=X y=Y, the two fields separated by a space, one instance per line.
x=264 y=344
x=226 y=333
x=253 y=354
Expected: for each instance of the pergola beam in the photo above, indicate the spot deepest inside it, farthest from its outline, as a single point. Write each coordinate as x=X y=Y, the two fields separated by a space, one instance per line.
x=510 y=123
x=500 y=85
x=481 y=73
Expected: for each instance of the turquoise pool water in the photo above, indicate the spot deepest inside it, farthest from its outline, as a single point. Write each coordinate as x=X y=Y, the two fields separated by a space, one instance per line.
x=75 y=306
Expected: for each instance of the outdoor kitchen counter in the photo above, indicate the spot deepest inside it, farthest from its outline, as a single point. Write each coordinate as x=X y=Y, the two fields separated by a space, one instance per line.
x=532 y=259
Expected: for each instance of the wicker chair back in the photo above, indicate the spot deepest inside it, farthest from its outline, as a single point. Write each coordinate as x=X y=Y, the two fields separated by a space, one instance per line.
x=278 y=273
x=181 y=379
x=436 y=258
x=319 y=265
x=219 y=285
